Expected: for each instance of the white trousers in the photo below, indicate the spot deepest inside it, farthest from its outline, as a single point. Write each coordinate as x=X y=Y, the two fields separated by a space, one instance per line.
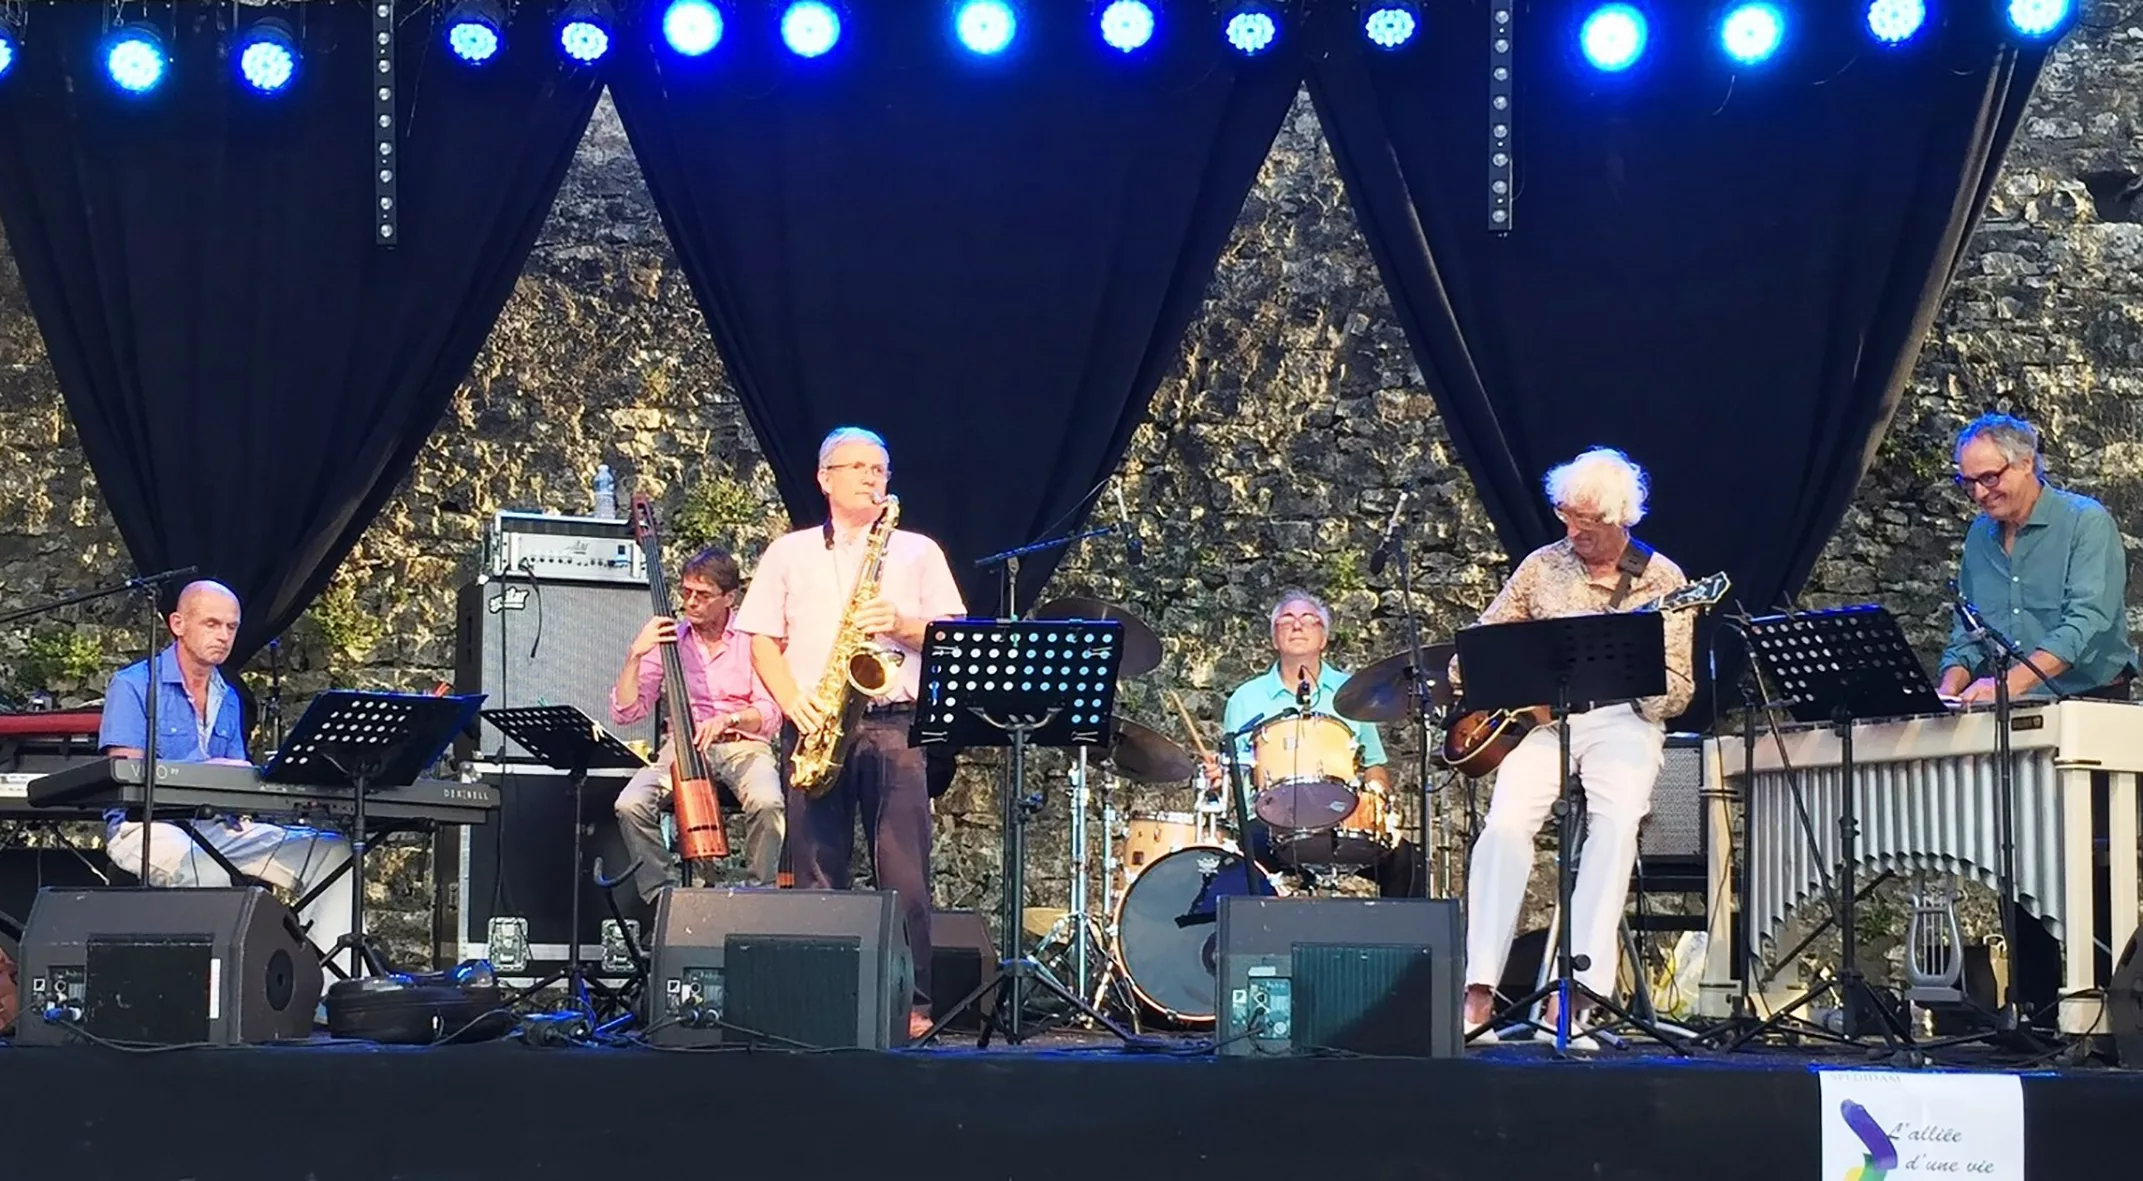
x=293 y=858
x=1618 y=755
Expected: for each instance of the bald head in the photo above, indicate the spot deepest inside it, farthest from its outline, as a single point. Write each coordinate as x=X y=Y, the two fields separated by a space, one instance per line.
x=205 y=623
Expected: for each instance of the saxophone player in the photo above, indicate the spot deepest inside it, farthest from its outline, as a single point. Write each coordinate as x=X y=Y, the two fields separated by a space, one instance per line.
x=799 y=596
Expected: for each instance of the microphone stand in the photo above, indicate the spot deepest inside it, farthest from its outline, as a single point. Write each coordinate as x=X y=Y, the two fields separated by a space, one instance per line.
x=1424 y=859
x=1008 y=584
x=152 y=584
x=2001 y=652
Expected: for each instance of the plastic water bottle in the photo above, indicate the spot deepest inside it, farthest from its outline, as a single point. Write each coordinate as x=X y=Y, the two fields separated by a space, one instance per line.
x=606 y=493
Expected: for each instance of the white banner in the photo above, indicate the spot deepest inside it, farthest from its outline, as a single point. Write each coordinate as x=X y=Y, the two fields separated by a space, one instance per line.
x=1888 y=1126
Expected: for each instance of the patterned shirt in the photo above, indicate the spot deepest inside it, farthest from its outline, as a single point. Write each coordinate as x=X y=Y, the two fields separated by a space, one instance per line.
x=1552 y=583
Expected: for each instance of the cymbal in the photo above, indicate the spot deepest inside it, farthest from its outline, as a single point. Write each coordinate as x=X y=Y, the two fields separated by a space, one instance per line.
x=1145 y=755
x=1142 y=649
x=1382 y=692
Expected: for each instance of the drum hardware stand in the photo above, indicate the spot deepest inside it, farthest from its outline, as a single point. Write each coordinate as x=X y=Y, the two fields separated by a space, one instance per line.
x=1848 y=666
x=1097 y=650
x=1597 y=659
x=1423 y=700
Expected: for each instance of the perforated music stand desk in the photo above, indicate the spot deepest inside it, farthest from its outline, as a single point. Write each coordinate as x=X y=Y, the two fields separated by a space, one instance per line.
x=1841 y=664
x=1018 y=683
x=1567 y=663
x=361 y=741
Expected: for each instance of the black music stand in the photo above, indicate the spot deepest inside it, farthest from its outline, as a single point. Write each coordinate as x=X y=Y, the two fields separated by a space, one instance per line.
x=361 y=741
x=1570 y=663
x=1837 y=667
x=570 y=741
x=1018 y=683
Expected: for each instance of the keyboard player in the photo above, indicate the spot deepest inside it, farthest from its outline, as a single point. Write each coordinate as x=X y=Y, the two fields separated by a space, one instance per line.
x=2042 y=565
x=197 y=717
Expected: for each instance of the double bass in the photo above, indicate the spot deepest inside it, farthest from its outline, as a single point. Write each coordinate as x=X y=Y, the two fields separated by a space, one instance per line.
x=700 y=835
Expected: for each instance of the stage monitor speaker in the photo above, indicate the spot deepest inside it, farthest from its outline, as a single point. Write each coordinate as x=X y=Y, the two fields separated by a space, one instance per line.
x=819 y=969
x=2124 y=1003
x=166 y=967
x=962 y=959
x=1366 y=976
x=546 y=641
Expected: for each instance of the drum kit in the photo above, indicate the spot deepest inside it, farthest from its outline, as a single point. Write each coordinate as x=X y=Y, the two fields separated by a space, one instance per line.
x=1319 y=821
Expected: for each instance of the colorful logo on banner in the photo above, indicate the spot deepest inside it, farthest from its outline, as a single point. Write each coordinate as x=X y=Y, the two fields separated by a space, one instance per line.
x=1882 y=1154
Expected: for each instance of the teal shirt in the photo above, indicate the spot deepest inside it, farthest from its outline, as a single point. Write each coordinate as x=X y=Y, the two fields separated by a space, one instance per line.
x=1269 y=694
x=2062 y=591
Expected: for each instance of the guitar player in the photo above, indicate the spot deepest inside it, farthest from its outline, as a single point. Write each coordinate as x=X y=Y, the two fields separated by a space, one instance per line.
x=1597 y=567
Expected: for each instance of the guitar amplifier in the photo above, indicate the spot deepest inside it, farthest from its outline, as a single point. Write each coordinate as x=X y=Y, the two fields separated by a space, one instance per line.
x=543 y=641
x=1675 y=825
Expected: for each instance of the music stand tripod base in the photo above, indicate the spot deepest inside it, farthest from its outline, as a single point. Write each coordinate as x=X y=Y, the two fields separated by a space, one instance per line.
x=1018 y=683
x=1572 y=663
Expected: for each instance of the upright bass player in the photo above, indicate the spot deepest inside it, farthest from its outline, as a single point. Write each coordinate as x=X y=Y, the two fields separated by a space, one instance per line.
x=811 y=599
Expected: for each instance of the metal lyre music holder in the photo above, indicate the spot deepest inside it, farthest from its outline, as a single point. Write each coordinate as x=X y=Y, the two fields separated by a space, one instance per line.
x=1834 y=668
x=1018 y=683
x=1571 y=663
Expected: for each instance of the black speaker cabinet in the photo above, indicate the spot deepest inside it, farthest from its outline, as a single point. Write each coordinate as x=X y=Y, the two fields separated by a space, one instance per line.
x=802 y=968
x=1370 y=976
x=166 y=967
x=962 y=959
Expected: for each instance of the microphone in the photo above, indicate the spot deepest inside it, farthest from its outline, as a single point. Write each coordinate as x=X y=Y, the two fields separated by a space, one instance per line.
x=1967 y=614
x=1302 y=686
x=1391 y=533
x=161 y=576
x=1134 y=549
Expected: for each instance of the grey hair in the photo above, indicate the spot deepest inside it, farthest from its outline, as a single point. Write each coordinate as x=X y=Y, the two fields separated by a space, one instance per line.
x=1602 y=478
x=2014 y=438
x=852 y=434
x=1298 y=595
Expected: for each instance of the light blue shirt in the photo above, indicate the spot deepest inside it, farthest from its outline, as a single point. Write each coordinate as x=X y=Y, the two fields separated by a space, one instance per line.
x=1268 y=695
x=2062 y=590
x=182 y=735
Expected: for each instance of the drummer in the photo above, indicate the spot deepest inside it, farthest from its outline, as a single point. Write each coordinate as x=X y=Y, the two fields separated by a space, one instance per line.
x=1300 y=680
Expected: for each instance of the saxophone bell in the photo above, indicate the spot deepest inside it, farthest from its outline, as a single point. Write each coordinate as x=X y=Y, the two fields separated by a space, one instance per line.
x=872 y=669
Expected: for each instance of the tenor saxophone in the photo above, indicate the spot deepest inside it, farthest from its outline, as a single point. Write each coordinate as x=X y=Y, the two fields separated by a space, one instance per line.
x=857 y=668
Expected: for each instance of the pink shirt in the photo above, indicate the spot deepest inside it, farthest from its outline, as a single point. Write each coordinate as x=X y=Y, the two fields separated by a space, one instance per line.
x=721 y=686
x=801 y=588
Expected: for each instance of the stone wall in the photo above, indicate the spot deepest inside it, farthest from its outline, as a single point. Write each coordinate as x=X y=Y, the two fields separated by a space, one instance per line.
x=1271 y=453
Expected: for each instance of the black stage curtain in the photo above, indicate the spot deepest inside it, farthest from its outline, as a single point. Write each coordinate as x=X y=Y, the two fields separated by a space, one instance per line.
x=250 y=375
x=989 y=262
x=1729 y=278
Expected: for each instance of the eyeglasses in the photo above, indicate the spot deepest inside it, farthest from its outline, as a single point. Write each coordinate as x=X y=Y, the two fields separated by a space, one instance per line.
x=1987 y=480
x=862 y=469
x=1312 y=620
x=693 y=594
x=1586 y=520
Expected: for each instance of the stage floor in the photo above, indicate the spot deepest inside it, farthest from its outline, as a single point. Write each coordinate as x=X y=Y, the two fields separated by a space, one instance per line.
x=1060 y=1109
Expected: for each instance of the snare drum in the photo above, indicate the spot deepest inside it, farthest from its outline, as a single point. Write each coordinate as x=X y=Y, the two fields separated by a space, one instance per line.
x=1306 y=769
x=1357 y=842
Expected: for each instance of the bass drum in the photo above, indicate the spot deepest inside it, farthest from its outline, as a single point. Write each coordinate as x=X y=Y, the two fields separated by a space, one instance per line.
x=1167 y=923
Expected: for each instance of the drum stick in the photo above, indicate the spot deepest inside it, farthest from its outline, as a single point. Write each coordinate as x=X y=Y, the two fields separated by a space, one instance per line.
x=1190 y=728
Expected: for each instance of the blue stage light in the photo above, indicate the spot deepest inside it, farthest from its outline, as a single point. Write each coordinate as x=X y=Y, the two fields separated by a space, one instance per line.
x=475 y=30
x=1613 y=37
x=1893 y=22
x=1252 y=28
x=134 y=59
x=1389 y=24
x=2038 y=18
x=267 y=56
x=810 y=27
x=692 y=27
x=583 y=29
x=985 y=26
x=1127 y=25
x=1752 y=32
x=10 y=45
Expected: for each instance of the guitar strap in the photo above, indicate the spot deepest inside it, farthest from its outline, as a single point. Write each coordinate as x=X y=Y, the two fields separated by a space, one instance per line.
x=1635 y=557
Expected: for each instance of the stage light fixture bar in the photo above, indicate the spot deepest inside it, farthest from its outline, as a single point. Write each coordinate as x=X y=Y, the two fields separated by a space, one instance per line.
x=386 y=168
x=1502 y=183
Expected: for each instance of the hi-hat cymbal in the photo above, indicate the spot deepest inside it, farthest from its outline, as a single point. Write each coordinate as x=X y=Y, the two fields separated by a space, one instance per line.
x=1143 y=754
x=1383 y=691
x=1142 y=649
